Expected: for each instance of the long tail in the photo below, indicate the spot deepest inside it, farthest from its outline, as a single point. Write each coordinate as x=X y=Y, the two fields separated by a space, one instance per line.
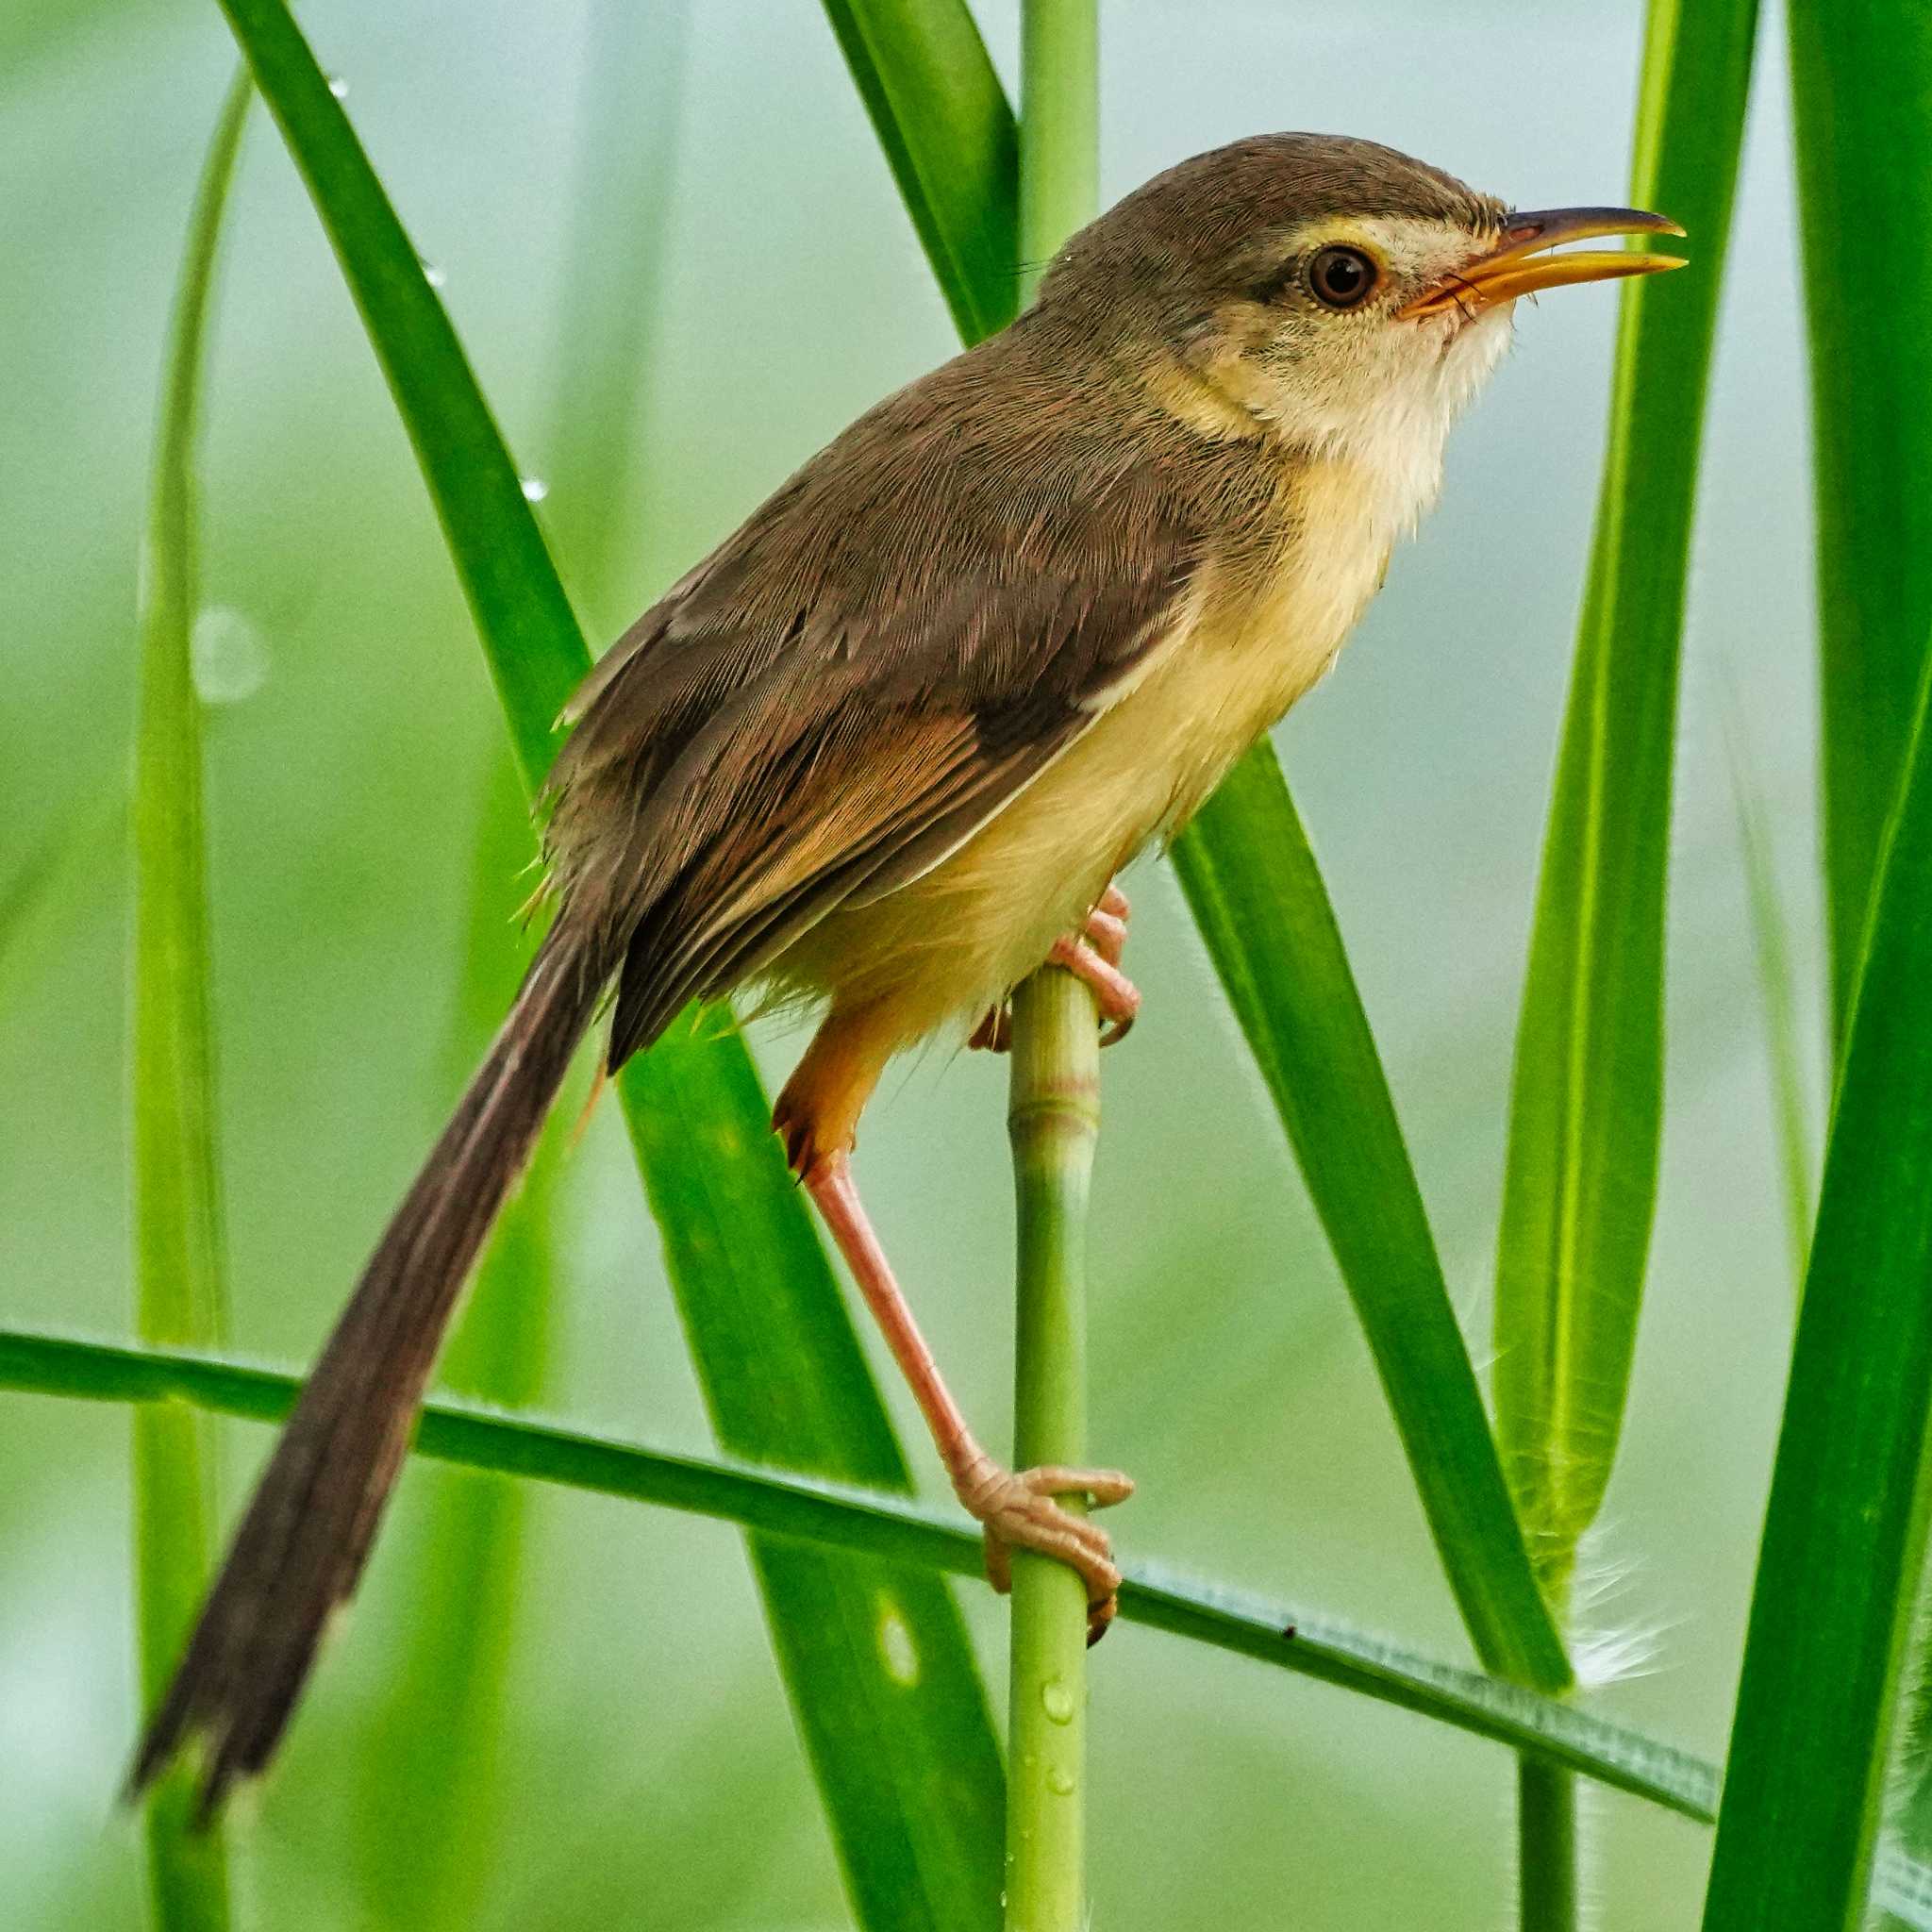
x=302 y=1545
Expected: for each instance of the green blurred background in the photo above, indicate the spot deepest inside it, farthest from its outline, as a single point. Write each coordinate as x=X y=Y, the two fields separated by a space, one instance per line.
x=647 y=1773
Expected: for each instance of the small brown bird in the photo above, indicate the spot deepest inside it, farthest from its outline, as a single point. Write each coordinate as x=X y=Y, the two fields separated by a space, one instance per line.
x=885 y=748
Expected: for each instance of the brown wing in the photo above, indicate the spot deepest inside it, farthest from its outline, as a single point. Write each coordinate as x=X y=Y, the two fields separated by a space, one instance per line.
x=889 y=651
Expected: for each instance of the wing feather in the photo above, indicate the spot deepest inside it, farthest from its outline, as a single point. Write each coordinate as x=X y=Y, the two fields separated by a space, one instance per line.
x=885 y=654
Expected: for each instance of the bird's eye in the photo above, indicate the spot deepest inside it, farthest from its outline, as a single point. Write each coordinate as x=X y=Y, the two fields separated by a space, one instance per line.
x=1342 y=277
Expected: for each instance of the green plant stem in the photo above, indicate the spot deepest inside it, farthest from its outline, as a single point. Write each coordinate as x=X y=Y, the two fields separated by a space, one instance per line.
x=1546 y=1826
x=178 y=1236
x=1053 y=1120
x=1060 y=128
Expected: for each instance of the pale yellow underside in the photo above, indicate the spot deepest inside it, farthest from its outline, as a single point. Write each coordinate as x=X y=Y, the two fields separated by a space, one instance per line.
x=937 y=953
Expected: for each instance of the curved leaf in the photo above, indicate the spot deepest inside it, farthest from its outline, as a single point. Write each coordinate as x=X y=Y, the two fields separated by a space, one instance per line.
x=942 y=116
x=177 y=1234
x=1587 y=1100
x=809 y=1509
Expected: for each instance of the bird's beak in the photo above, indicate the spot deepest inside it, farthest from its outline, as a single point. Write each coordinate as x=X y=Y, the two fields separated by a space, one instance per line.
x=1520 y=265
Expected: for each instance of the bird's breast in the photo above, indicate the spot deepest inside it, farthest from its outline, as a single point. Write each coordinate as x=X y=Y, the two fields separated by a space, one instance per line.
x=1262 y=625
x=1258 y=625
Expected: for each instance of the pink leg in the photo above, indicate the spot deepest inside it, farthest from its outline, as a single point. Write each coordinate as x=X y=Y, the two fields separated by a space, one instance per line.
x=1018 y=1510
x=1093 y=957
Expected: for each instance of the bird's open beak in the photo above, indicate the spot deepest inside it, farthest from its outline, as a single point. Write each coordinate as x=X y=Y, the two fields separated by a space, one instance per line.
x=1520 y=265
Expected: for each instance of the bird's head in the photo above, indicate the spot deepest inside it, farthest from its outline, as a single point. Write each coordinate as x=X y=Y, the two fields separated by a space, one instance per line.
x=1327 y=290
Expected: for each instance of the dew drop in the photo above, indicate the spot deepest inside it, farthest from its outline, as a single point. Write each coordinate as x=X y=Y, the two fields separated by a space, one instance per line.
x=1061 y=1782
x=534 y=489
x=1058 y=1702
x=228 y=656
x=339 y=87
x=434 y=276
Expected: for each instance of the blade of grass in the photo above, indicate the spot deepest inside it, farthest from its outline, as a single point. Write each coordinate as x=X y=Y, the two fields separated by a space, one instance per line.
x=1861 y=79
x=1817 y=1699
x=1053 y=1121
x=1258 y=896
x=909 y=1771
x=785 y=1506
x=177 y=1223
x=633 y=114
x=1587 y=1098
x=1771 y=943
x=887 y=1696
x=948 y=133
x=1586 y=1102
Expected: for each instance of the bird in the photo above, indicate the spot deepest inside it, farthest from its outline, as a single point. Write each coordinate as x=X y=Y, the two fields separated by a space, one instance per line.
x=888 y=747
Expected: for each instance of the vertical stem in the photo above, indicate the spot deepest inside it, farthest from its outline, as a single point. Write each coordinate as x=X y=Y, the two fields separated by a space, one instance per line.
x=1059 y=127
x=1054 y=1121
x=1547 y=1894
x=1546 y=1829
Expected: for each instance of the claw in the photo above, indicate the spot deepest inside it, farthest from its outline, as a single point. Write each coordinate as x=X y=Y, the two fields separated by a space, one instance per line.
x=1022 y=1511
x=1093 y=955
x=1117 y=996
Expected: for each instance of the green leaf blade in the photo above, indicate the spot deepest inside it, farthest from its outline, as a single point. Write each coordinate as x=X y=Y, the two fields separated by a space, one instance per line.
x=701 y=1092
x=1817 y=1700
x=950 y=139
x=535 y=650
x=722 y=1197
x=179 y=1296
x=1586 y=1101
x=1861 y=87
x=808 y=1510
x=1256 y=894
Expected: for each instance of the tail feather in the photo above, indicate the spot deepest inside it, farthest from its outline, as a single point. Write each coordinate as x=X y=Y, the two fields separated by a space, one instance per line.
x=301 y=1547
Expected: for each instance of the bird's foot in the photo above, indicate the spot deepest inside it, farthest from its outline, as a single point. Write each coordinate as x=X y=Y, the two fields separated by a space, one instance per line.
x=1022 y=1511
x=1093 y=955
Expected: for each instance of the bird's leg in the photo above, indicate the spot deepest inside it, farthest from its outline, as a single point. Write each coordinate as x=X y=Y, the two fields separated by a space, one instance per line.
x=1018 y=1510
x=815 y=1113
x=1093 y=955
